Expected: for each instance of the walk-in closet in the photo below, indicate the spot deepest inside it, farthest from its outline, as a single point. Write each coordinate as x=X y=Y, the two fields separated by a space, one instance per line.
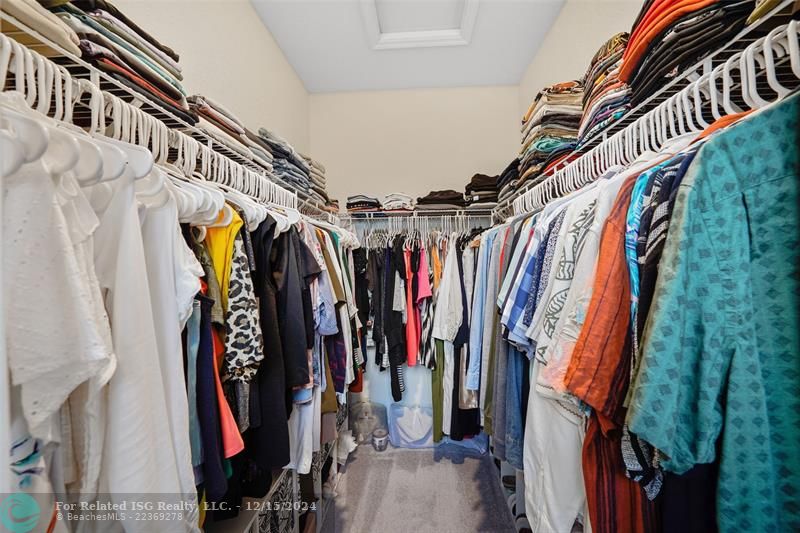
x=430 y=266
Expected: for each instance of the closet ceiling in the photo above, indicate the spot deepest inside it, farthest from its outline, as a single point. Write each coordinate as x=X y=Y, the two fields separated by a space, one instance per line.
x=353 y=45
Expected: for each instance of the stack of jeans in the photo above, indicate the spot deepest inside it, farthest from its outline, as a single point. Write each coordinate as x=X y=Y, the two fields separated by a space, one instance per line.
x=287 y=163
x=319 y=188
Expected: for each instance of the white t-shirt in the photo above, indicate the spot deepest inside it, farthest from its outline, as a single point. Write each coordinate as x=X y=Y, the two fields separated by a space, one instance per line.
x=139 y=456
x=53 y=342
x=83 y=417
x=173 y=283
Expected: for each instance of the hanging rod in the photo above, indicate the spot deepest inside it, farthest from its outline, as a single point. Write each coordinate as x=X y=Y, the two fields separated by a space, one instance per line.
x=420 y=213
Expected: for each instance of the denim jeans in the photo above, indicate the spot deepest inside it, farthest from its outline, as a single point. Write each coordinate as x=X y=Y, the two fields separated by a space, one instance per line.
x=192 y=347
x=499 y=393
x=515 y=410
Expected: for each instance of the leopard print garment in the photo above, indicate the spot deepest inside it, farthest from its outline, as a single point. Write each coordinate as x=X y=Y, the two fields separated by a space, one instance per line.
x=243 y=340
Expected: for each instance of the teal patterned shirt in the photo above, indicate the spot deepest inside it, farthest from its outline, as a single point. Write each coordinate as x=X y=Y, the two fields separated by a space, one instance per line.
x=721 y=348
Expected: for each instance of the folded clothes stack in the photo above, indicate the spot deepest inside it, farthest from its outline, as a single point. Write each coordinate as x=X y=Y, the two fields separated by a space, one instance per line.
x=550 y=128
x=362 y=202
x=222 y=125
x=262 y=153
x=287 y=163
x=507 y=183
x=671 y=35
x=481 y=192
x=319 y=184
x=332 y=206
x=447 y=199
x=398 y=202
x=605 y=99
x=127 y=53
x=33 y=15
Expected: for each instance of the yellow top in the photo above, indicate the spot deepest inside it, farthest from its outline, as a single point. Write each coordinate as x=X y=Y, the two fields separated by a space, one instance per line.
x=219 y=242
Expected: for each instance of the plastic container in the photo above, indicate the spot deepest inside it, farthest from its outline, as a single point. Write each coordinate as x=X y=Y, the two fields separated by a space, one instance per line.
x=380 y=439
x=411 y=427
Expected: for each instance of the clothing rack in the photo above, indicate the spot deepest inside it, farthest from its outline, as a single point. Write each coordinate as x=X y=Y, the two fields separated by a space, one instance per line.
x=781 y=14
x=80 y=69
x=82 y=98
x=367 y=224
x=771 y=62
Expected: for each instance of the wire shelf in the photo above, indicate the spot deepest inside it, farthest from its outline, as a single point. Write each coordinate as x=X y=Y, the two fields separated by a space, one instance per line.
x=781 y=14
x=81 y=69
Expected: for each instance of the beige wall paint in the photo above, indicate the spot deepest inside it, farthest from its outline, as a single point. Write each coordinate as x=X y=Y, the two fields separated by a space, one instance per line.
x=580 y=29
x=228 y=55
x=413 y=141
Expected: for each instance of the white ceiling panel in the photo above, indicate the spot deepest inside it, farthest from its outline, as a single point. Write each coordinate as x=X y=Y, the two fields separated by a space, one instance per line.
x=419 y=15
x=352 y=45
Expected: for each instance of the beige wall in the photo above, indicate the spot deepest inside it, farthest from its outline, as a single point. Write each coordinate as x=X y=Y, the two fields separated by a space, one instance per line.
x=413 y=141
x=380 y=141
x=580 y=29
x=228 y=55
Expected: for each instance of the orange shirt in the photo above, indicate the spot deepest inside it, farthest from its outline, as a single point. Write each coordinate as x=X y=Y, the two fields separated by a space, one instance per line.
x=232 y=442
x=600 y=350
x=599 y=374
x=651 y=27
x=658 y=8
x=437 y=266
x=723 y=122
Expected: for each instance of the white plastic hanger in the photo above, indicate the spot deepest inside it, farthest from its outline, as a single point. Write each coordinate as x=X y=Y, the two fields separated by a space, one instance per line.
x=792 y=35
x=89 y=165
x=62 y=149
x=140 y=160
x=32 y=136
x=770 y=53
x=114 y=159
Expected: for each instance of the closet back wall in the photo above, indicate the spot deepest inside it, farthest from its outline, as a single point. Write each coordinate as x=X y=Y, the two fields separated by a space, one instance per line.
x=228 y=55
x=412 y=141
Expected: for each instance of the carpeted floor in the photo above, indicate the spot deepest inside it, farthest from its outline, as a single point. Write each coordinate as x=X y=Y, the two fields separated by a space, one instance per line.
x=418 y=491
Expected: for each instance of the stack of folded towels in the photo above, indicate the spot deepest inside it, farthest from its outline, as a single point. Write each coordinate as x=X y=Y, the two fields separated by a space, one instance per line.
x=672 y=35
x=550 y=129
x=446 y=199
x=287 y=163
x=127 y=53
x=606 y=99
x=319 y=184
x=398 y=202
x=481 y=192
x=361 y=202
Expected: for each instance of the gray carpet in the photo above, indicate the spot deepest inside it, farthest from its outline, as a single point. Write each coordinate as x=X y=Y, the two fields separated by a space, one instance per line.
x=418 y=491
